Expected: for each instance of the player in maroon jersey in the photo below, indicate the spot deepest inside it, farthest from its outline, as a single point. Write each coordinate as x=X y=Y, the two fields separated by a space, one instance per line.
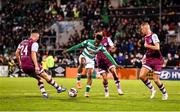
x=152 y=61
x=105 y=65
x=26 y=55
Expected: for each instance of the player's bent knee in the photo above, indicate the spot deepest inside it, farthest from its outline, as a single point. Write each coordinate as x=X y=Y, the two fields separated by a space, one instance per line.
x=89 y=76
x=142 y=77
x=45 y=76
x=105 y=82
x=156 y=80
x=112 y=70
x=40 y=80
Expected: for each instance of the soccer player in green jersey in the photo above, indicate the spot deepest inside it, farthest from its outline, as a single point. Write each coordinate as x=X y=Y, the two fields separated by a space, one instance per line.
x=87 y=58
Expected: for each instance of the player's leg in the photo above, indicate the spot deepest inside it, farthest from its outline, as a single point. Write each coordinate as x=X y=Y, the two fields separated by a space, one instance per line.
x=31 y=72
x=105 y=83
x=89 y=72
x=80 y=67
x=116 y=79
x=78 y=83
x=52 y=82
x=41 y=87
x=146 y=81
x=159 y=83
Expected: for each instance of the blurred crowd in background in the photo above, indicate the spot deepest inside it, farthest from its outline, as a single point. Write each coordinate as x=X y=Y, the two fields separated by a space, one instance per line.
x=121 y=24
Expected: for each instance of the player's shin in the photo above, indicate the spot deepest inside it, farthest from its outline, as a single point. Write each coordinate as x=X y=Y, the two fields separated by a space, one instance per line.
x=148 y=83
x=160 y=85
x=105 y=83
x=115 y=76
x=89 y=82
x=42 y=89
x=79 y=73
x=88 y=86
x=54 y=84
x=78 y=77
x=78 y=83
x=117 y=82
x=162 y=89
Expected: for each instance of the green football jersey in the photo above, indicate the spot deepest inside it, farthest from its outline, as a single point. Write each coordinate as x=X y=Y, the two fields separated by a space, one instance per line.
x=90 y=50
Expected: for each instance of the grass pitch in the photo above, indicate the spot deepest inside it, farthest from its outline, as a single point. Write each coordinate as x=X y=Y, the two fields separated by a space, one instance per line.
x=22 y=94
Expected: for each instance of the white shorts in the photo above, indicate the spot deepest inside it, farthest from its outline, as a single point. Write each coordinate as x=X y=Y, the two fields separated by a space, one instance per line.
x=89 y=63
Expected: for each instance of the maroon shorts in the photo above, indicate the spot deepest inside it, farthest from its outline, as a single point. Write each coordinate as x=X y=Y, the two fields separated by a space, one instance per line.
x=153 y=64
x=30 y=70
x=103 y=63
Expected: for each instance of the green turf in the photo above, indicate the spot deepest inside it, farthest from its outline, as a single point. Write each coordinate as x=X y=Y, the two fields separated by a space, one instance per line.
x=22 y=94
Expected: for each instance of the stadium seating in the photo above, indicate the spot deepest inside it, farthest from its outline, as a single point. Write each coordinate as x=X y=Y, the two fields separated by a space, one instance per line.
x=18 y=18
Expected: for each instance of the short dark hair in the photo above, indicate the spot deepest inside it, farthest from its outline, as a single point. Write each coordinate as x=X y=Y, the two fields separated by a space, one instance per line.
x=34 y=31
x=99 y=37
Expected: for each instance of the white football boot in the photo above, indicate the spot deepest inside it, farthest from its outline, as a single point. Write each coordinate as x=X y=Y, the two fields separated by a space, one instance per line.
x=153 y=92
x=165 y=96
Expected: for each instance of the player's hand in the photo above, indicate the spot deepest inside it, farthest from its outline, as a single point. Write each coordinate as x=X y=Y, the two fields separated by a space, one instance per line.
x=20 y=69
x=146 y=45
x=37 y=70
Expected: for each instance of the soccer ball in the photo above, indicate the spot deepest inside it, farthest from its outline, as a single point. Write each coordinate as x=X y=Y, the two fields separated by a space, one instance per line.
x=72 y=92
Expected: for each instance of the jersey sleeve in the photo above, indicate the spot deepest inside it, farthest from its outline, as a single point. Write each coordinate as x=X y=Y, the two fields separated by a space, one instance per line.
x=155 y=38
x=110 y=42
x=35 y=47
x=108 y=56
x=82 y=44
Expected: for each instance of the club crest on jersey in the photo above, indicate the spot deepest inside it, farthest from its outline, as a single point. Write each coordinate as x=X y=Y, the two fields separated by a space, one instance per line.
x=149 y=41
x=105 y=44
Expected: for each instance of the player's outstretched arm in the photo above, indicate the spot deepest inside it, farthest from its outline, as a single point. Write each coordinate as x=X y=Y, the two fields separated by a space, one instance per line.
x=82 y=44
x=74 y=47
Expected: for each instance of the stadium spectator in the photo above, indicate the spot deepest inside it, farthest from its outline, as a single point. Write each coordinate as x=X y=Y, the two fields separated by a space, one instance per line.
x=17 y=19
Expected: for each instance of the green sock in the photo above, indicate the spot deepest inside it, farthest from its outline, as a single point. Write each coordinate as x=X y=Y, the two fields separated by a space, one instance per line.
x=78 y=77
x=88 y=87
